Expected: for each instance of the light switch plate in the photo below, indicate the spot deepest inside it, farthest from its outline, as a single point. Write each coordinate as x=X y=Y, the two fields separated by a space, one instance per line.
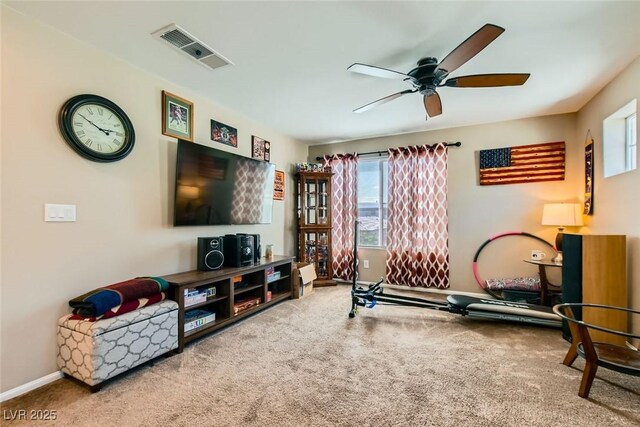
x=59 y=213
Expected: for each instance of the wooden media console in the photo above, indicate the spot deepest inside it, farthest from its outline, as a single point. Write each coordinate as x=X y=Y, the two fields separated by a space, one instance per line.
x=230 y=294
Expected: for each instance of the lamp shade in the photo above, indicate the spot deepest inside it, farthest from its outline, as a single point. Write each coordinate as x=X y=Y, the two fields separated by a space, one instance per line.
x=562 y=214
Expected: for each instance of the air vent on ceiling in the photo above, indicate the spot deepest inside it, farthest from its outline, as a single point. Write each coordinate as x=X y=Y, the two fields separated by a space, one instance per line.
x=181 y=40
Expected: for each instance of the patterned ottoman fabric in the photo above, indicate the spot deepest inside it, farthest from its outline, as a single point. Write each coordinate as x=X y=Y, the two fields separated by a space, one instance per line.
x=531 y=284
x=96 y=351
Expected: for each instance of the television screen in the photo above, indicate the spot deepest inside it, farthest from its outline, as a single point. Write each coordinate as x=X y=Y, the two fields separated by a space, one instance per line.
x=214 y=187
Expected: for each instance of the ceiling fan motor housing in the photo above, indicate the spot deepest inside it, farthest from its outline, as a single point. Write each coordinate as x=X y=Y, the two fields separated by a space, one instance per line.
x=426 y=76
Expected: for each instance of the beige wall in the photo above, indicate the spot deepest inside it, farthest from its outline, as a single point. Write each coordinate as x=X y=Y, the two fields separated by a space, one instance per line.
x=123 y=209
x=478 y=212
x=616 y=199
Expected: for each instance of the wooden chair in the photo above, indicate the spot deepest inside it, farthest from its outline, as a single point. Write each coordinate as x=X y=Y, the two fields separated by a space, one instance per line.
x=609 y=356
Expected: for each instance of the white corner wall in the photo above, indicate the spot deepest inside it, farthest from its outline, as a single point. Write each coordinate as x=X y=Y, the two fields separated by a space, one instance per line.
x=124 y=225
x=616 y=208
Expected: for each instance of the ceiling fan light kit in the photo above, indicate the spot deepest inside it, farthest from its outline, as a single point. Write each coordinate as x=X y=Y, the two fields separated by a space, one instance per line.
x=429 y=75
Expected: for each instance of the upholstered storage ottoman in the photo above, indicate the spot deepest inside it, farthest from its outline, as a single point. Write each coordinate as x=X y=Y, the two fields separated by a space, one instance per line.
x=93 y=352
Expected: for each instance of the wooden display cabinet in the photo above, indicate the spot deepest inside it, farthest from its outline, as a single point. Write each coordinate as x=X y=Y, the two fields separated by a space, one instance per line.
x=314 y=224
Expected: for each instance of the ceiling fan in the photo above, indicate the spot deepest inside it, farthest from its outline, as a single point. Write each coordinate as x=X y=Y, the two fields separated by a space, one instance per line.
x=429 y=74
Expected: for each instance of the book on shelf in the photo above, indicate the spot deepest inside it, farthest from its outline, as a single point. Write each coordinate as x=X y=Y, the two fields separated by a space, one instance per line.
x=194 y=319
x=245 y=304
x=190 y=300
x=273 y=276
x=197 y=296
x=190 y=291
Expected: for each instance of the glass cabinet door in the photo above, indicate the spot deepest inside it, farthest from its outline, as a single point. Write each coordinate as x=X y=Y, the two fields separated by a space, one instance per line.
x=310 y=247
x=323 y=202
x=316 y=251
x=314 y=201
x=322 y=266
x=310 y=190
x=299 y=205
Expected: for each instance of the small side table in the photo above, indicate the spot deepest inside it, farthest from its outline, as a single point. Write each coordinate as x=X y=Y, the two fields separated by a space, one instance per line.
x=545 y=286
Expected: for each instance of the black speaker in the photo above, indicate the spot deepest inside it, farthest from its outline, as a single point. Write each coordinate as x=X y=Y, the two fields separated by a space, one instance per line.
x=257 y=250
x=238 y=250
x=210 y=253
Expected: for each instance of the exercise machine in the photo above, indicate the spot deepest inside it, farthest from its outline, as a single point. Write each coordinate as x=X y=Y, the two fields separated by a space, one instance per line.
x=479 y=308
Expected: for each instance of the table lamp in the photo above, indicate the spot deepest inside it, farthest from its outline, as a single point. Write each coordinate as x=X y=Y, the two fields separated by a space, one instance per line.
x=561 y=215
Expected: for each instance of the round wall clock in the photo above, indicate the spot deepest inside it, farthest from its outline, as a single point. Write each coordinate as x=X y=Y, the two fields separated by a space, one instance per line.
x=96 y=128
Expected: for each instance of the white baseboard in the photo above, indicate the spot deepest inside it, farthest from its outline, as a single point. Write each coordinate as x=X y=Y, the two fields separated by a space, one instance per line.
x=25 y=388
x=425 y=290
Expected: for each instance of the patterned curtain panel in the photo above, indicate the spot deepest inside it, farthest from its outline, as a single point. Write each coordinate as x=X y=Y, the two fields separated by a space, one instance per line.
x=344 y=212
x=417 y=240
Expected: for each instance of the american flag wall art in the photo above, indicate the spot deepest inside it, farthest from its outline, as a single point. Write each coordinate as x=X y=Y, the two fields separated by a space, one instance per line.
x=524 y=163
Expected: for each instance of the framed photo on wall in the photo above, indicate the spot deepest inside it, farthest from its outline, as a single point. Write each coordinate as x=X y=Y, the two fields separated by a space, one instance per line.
x=224 y=134
x=177 y=116
x=260 y=148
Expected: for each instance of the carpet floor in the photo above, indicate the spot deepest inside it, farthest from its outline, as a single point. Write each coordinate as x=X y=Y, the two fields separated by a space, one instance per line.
x=305 y=363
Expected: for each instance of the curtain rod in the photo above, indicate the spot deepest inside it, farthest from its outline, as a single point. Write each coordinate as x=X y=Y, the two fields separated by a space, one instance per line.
x=380 y=153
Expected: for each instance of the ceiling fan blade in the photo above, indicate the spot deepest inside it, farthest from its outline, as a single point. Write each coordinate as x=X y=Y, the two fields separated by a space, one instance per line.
x=487 y=80
x=370 y=70
x=470 y=47
x=433 y=104
x=382 y=101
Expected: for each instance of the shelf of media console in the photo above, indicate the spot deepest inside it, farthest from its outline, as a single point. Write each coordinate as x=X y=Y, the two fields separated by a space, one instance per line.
x=242 y=290
x=277 y=280
x=207 y=302
x=219 y=323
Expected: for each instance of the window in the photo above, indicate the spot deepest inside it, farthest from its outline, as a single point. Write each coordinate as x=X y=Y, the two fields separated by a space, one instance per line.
x=620 y=140
x=372 y=202
x=631 y=142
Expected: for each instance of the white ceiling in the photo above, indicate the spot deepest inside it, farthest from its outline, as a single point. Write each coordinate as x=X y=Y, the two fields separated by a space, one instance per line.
x=291 y=57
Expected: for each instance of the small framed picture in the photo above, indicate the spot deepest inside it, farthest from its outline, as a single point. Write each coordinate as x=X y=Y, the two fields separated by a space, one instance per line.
x=278 y=186
x=224 y=134
x=260 y=149
x=177 y=116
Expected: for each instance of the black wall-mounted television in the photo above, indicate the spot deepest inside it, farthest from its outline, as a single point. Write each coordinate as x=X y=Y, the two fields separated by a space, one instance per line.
x=215 y=187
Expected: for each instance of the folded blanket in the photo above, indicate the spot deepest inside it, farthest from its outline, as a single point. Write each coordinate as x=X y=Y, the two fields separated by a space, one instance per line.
x=99 y=301
x=123 y=308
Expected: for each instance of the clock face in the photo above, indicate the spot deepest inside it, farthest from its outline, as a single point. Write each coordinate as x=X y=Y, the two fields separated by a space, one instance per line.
x=96 y=128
